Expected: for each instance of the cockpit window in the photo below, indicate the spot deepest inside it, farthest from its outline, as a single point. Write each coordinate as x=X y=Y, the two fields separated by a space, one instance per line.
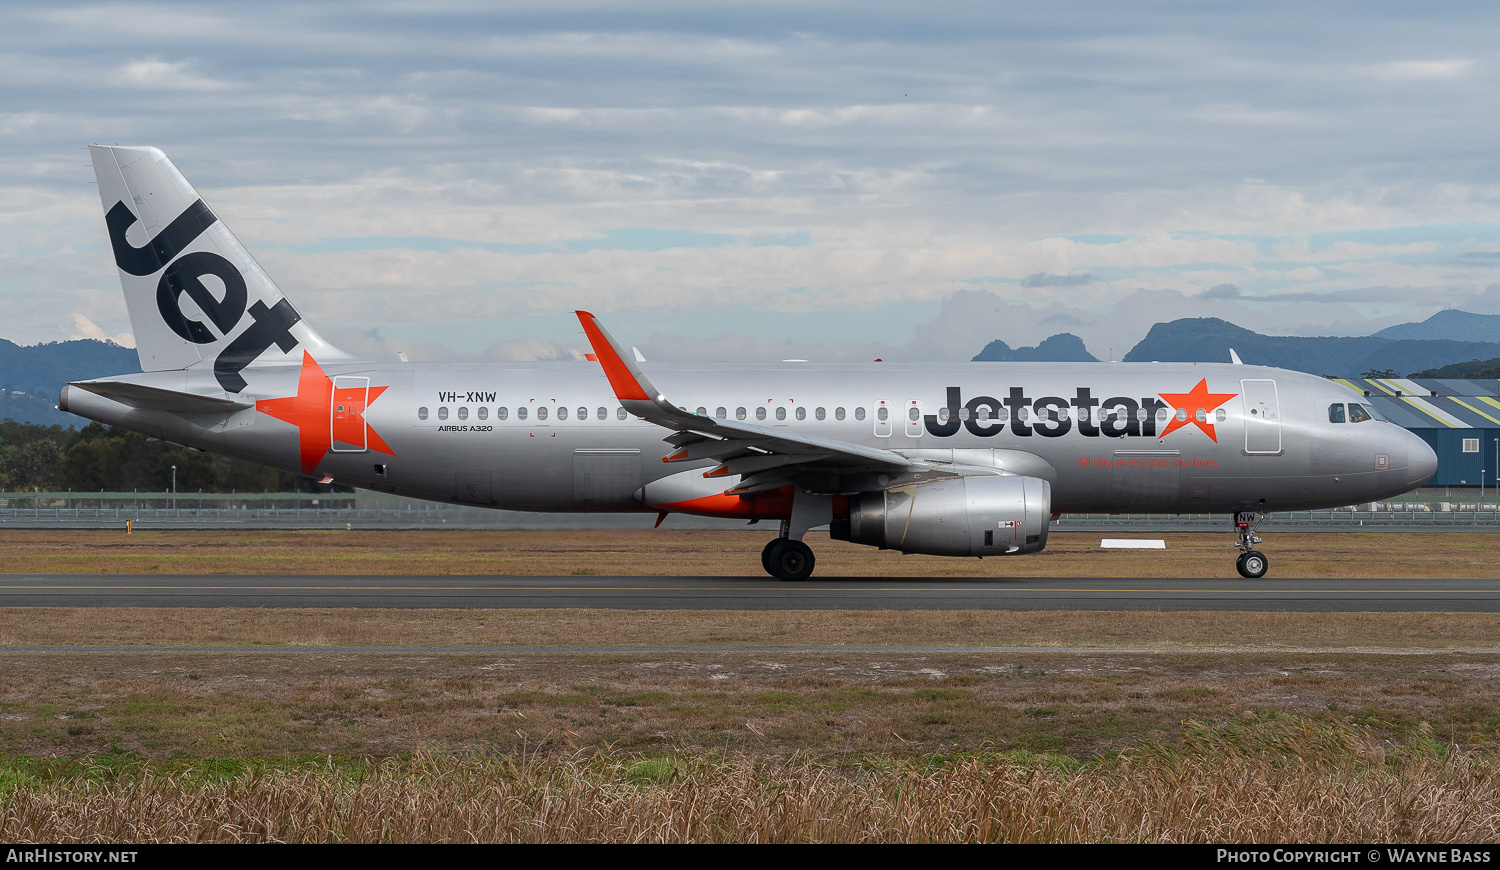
x=1358 y=414
x=1336 y=412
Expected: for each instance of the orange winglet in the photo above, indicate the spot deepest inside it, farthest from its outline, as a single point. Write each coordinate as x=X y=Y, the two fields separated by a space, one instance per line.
x=620 y=378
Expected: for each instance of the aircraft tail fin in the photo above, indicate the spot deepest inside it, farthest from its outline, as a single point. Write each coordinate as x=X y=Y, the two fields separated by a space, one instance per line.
x=195 y=295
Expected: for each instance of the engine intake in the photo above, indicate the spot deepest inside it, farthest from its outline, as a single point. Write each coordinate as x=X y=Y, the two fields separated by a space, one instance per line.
x=967 y=516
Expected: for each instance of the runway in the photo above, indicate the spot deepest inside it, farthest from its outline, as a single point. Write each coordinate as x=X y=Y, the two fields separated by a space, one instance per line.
x=746 y=593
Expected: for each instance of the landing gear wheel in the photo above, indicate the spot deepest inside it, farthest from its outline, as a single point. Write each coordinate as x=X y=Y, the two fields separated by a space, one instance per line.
x=765 y=554
x=789 y=560
x=1252 y=565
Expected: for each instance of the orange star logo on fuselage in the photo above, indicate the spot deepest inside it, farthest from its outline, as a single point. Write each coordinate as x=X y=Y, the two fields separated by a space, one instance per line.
x=311 y=411
x=1195 y=400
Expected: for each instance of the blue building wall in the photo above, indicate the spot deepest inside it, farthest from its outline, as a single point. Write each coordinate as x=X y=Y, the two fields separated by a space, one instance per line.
x=1455 y=467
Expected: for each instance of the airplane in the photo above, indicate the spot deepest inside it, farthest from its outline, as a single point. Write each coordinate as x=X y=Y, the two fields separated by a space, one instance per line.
x=944 y=459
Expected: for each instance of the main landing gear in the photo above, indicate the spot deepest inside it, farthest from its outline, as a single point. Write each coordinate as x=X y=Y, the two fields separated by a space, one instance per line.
x=786 y=559
x=1252 y=563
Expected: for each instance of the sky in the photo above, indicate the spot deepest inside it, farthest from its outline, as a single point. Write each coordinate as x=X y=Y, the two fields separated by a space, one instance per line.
x=813 y=180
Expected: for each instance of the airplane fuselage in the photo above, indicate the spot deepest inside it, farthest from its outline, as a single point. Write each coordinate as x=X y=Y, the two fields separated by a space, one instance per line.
x=552 y=436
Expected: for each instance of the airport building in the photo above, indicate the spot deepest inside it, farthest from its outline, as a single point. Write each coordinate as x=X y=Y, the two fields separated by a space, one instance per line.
x=1459 y=418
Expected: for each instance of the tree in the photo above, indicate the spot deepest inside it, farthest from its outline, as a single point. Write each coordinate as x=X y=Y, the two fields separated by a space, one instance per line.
x=34 y=465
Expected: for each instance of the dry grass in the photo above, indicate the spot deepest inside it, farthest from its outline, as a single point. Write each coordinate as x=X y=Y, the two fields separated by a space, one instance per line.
x=165 y=706
x=1274 y=781
x=714 y=554
x=582 y=629
x=1025 y=747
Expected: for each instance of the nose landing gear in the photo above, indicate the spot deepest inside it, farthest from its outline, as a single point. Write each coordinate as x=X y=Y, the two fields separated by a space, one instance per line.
x=1252 y=564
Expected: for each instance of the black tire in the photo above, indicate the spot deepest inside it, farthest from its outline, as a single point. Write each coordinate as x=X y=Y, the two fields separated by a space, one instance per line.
x=765 y=554
x=1253 y=565
x=790 y=560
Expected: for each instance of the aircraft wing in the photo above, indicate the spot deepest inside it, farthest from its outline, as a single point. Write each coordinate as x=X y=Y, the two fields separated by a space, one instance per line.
x=764 y=457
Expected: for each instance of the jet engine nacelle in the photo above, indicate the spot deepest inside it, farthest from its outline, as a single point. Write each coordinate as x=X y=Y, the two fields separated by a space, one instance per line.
x=967 y=516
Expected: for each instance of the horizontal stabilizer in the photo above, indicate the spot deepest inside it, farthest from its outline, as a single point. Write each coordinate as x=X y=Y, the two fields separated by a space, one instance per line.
x=158 y=399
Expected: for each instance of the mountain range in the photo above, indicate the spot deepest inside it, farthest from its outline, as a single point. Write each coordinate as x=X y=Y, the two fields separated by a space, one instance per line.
x=31 y=377
x=1422 y=345
x=1063 y=347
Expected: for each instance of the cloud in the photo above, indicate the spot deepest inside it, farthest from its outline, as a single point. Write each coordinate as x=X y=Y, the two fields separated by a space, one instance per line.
x=157 y=74
x=1424 y=70
x=85 y=328
x=1042 y=279
x=462 y=174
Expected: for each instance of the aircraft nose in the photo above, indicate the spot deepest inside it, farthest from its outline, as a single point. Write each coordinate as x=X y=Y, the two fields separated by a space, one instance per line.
x=1421 y=462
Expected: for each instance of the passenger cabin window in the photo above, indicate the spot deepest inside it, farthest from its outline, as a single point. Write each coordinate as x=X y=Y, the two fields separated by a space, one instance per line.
x=502 y=413
x=942 y=414
x=484 y=413
x=583 y=413
x=882 y=414
x=603 y=414
x=702 y=411
x=914 y=414
x=541 y=413
x=721 y=413
x=521 y=413
x=1181 y=414
x=838 y=413
x=801 y=413
x=760 y=413
x=463 y=413
x=820 y=414
x=1221 y=415
x=1200 y=415
x=859 y=413
x=562 y=413
x=1336 y=412
x=620 y=413
x=1162 y=415
x=421 y=413
x=1357 y=413
x=781 y=413
x=442 y=413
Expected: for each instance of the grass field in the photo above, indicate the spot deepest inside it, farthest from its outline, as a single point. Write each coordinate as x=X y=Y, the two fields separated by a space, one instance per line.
x=717 y=553
x=1182 y=727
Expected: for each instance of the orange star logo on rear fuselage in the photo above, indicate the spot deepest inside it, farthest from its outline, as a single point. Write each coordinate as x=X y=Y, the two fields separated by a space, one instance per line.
x=311 y=412
x=1196 y=399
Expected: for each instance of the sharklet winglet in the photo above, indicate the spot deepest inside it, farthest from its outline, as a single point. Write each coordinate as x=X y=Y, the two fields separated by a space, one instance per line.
x=624 y=378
